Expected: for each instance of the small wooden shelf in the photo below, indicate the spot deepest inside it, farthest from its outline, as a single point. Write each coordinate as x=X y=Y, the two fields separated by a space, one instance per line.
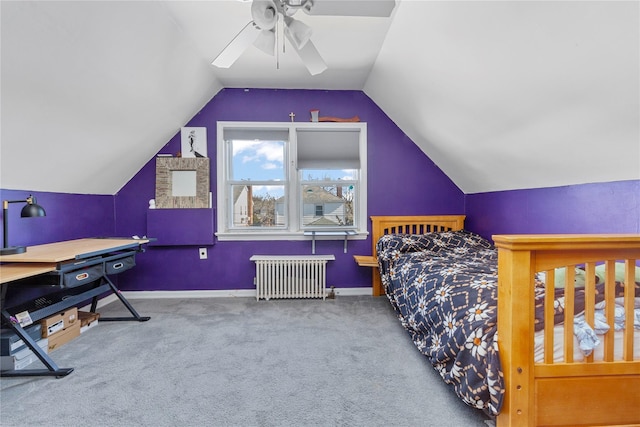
x=366 y=261
x=371 y=262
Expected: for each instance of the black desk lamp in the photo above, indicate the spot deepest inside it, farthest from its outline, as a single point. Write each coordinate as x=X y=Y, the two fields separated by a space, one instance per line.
x=31 y=209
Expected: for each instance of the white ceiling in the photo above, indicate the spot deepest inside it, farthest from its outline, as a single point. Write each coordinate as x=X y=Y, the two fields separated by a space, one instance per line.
x=501 y=95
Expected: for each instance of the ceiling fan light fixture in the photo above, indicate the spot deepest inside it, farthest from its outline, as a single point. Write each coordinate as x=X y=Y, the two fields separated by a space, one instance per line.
x=297 y=32
x=266 y=42
x=267 y=28
x=264 y=13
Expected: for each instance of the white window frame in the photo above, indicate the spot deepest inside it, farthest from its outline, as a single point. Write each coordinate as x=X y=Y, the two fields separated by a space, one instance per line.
x=294 y=229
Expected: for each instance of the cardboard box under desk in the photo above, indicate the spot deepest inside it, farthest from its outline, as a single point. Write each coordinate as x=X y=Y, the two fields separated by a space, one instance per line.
x=24 y=357
x=87 y=320
x=64 y=336
x=10 y=342
x=56 y=323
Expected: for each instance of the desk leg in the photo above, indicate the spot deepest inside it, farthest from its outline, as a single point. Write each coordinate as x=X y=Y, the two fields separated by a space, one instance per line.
x=124 y=301
x=52 y=368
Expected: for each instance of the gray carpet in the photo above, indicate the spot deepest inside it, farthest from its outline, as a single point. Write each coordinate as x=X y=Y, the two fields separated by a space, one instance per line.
x=239 y=362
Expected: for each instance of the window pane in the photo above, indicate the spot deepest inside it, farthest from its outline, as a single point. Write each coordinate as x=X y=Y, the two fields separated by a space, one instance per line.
x=258 y=206
x=327 y=205
x=257 y=160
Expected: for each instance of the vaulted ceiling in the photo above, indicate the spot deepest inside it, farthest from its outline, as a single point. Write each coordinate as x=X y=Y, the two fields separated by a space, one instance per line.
x=501 y=95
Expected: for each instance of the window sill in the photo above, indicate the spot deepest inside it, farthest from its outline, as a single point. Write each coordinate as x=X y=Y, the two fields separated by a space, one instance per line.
x=288 y=235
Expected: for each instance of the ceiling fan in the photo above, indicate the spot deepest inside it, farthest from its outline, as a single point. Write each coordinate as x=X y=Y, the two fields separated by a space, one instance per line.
x=269 y=16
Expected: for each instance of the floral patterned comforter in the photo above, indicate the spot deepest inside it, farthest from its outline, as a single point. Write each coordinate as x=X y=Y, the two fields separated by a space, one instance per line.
x=443 y=287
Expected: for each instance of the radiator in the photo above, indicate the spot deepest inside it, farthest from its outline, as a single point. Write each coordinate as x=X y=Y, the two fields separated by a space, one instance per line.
x=290 y=276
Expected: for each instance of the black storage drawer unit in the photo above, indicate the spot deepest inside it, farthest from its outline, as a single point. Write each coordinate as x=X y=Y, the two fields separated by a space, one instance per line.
x=76 y=273
x=119 y=263
x=82 y=276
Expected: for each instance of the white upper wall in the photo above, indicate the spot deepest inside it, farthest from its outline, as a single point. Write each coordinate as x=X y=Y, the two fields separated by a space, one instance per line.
x=501 y=95
x=509 y=95
x=92 y=90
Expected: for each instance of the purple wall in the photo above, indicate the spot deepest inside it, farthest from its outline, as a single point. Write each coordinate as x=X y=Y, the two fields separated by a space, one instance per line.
x=612 y=207
x=401 y=181
x=69 y=216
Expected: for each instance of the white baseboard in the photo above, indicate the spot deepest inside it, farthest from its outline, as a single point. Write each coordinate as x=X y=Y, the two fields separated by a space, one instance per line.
x=189 y=294
x=351 y=292
x=240 y=293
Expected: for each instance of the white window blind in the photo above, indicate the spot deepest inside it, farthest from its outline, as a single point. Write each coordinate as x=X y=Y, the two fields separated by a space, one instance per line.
x=328 y=149
x=259 y=134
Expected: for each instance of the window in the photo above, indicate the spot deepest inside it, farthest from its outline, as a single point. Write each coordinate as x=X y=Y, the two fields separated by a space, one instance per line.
x=256 y=177
x=278 y=180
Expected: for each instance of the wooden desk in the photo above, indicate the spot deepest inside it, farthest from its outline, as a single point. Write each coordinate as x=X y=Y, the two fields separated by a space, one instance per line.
x=13 y=272
x=83 y=264
x=72 y=249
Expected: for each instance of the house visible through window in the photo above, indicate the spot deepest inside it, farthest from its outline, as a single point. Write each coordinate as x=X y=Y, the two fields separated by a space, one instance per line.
x=277 y=180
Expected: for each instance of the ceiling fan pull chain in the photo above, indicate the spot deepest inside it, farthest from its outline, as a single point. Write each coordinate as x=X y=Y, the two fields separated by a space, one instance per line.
x=278 y=37
x=284 y=50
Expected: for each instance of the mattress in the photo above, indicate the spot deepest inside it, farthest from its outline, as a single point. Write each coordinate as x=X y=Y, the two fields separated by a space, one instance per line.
x=578 y=356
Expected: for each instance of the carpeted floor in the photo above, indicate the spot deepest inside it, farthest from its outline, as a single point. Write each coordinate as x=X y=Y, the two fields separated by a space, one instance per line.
x=240 y=362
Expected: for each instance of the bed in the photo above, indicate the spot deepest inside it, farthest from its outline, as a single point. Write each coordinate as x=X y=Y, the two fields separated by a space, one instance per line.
x=556 y=388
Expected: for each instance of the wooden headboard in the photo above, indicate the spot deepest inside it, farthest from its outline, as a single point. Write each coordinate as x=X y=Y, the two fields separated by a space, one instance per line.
x=382 y=225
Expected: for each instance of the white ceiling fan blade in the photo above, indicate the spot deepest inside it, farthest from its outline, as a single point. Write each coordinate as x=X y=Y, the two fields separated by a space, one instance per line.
x=237 y=46
x=380 y=8
x=310 y=57
x=298 y=32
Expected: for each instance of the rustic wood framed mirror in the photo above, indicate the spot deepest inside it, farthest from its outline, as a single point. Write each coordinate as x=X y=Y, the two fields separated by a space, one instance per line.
x=182 y=182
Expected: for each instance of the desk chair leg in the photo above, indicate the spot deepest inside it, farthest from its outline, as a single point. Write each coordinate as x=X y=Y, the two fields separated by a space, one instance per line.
x=52 y=369
x=124 y=301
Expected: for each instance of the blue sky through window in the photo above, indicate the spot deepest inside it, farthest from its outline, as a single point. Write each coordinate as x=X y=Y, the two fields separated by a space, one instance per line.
x=263 y=160
x=259 y=161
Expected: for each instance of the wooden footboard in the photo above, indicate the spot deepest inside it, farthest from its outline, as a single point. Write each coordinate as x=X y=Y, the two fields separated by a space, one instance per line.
x=603 y=392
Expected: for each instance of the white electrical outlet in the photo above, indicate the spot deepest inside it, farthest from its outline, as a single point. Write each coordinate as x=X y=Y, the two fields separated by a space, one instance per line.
x=203 y=253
